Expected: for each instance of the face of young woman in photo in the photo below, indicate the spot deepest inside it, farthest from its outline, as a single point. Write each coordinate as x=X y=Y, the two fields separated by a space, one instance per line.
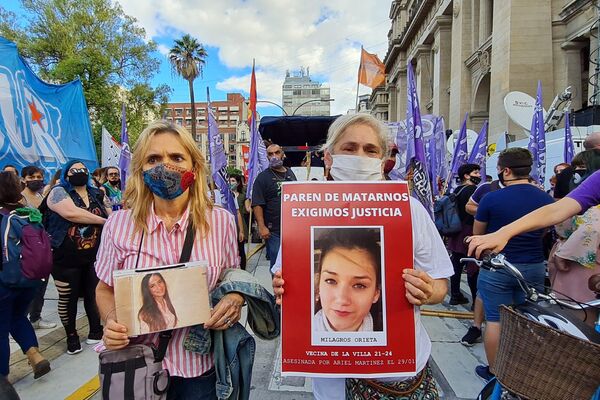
x=347 y=287
x=156 y=286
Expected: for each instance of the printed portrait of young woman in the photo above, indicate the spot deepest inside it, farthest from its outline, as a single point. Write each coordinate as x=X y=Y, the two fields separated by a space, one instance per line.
x=347 y=279
x=157 y=312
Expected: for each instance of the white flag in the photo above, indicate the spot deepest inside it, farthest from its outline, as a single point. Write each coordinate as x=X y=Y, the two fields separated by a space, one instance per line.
x=111 y=150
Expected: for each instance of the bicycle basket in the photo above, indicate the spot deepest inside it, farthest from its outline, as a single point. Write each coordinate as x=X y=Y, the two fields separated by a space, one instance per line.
x=542 y=363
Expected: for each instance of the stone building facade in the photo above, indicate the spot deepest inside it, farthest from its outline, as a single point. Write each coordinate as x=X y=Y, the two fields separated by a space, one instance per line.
x=468 y=54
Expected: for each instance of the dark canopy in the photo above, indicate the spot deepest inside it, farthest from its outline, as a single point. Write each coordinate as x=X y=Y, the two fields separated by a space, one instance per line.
x=294 y=133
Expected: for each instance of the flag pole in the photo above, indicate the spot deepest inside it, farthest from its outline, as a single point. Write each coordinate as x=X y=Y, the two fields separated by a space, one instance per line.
x=358 y=78
x=249 y=228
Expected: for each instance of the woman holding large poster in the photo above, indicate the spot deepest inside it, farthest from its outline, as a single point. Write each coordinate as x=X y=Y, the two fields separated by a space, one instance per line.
x=356 y=149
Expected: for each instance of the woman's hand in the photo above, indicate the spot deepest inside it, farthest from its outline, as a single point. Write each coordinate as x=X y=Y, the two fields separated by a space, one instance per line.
x=241 y=236
x=115 y=335
x=419 y=286
x=278 y=286
x=227 y=312
x=492 y=241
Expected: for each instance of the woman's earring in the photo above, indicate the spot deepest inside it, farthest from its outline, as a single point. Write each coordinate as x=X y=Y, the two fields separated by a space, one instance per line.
x=317 y=298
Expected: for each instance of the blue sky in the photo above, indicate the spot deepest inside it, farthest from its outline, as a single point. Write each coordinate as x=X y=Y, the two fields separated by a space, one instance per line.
x=280 y=34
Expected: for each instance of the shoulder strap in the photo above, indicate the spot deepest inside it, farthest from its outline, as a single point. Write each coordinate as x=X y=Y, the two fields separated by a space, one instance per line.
x=165 y=336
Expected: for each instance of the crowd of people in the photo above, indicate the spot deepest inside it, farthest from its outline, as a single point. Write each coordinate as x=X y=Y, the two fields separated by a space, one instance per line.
x=96 y=229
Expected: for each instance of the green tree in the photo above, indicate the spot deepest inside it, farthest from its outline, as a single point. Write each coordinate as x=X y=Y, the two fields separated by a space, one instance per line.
x=187 y=57
x=96 y=42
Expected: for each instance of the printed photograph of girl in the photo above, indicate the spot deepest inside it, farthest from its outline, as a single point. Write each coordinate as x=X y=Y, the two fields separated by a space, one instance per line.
x=157 y=312
x=347 y=279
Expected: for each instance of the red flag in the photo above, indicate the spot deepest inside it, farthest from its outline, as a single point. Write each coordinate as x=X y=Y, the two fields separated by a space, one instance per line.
x=371 y=72
x=252 y=104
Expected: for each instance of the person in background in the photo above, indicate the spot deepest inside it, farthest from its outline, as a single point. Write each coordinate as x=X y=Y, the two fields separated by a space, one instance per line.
x=11 y=168
x=14 y=301
x=592 y=141
x=497 y=209
x=76 y=213
x=33 y=178
x=470 y=177
x=266 y=199
x=238 y=189
x=112 y=188
x=55 y=178
x=356 y=149
x=166 y=192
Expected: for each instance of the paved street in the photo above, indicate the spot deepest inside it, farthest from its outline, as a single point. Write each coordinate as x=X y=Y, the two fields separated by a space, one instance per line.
x=72 y=376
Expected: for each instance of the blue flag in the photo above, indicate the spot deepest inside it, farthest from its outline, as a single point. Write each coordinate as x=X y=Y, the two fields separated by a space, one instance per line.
x=415 y=155
x=569 y=151
x=537 y=140
x=41 y=124
x=479 y=151
x=125 y=157
x=459 y=155
x=218 y=160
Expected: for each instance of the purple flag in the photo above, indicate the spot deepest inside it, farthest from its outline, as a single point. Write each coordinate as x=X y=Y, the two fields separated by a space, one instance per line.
x=479 y=151
x=459 y=155
x=569 y=151
x=125 y=157
x=218 y=160
x=537 y=139
x=438 y=155
x=415 y=156
x=257 y=161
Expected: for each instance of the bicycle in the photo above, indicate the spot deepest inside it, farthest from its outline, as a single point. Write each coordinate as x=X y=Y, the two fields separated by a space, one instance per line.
x=546 y=352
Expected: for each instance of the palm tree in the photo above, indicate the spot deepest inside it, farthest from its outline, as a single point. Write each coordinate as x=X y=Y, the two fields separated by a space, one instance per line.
x=187 y=57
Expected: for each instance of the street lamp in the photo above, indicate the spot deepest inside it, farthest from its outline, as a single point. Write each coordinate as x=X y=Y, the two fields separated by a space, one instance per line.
x=273 y=103
x=311 y=101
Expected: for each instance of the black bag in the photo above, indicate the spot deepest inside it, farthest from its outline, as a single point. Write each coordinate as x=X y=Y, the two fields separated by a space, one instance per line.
x=136 y=372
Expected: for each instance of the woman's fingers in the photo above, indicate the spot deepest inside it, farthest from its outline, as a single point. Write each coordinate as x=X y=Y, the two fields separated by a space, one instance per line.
x=278 y=286
x=115 y=335
x=419 y=286
x=226 y=313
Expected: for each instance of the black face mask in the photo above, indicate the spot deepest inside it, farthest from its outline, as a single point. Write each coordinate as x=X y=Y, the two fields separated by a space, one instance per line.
x=79 y=179
x=475 y=180
x=35 y=186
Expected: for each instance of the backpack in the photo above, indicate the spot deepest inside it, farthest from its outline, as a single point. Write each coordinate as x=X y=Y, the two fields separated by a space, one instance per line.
x=447 y=219
x=26 y=251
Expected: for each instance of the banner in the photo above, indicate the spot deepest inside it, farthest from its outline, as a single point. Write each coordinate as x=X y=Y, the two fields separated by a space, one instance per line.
x=479 y=151
x=41 y=124
x=344 y=312
x=371 y=71
x=415 y=149
x=111 y=150
x=459 y=155
x=218 y=160
x=257 y=161
x=537 y=140
x=125 y=157
x=569 y=151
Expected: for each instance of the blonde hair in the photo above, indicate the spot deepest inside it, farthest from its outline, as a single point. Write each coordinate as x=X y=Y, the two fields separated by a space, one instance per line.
x=138 y=197
x=339 y=126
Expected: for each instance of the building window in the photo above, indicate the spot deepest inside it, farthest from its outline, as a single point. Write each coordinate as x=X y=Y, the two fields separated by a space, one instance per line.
x=316 y=92
x=179 y=121
x=178 y=112
x=297 y=92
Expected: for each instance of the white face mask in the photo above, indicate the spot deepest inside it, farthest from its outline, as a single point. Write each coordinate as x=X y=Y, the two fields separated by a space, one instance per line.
x=355 y=168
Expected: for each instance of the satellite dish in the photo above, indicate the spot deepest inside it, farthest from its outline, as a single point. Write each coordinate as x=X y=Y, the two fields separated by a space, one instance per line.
x=471 y=138
x=519 y=106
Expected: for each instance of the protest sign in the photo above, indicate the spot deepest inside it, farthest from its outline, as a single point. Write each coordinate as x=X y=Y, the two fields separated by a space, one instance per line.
x=344 y=247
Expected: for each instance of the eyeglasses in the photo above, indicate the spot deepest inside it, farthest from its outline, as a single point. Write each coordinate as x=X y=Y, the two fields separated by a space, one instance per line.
x=113 y=174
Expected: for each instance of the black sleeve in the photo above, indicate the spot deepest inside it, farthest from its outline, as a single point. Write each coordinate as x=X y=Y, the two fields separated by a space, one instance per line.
x=258 y=191
x=461 y=202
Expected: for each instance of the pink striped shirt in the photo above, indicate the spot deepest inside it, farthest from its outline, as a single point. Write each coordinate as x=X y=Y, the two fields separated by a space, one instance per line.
x=119 y=250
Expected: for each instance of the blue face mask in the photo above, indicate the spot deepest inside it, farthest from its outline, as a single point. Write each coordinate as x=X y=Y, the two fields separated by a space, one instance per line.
x=168 y=182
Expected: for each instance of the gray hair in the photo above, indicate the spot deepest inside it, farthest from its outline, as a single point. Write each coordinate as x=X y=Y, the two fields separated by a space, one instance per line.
x=339 y=126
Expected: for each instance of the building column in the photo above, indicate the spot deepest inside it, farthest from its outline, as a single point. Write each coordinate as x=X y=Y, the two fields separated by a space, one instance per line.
x=423 y=77
x=442 y=55
x=485 y=23
x=392 y=103
x=401 y=93
x=572 y=62
x=460 y=81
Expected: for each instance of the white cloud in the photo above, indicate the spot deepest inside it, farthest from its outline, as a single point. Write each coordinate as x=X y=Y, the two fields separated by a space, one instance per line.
x=280 y=35
x=162 y=49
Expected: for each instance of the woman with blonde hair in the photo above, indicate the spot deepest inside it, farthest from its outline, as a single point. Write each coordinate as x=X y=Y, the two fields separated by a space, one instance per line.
x=166 y=192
